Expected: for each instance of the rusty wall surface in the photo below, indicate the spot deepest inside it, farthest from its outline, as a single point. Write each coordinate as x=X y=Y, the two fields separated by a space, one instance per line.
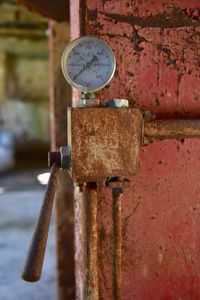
x=156 y=47
x=156 y=44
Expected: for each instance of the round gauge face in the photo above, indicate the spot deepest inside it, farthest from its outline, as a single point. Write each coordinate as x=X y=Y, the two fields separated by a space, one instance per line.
x=88 y=64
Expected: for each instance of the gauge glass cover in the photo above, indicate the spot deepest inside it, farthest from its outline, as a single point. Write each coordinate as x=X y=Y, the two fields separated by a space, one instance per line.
x=88 y=64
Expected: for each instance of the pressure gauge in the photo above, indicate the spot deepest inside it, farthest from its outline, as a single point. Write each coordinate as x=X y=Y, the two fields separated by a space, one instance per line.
x=88 y=64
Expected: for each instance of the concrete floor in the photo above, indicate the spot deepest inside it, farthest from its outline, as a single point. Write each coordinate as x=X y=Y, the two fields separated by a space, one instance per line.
x=20 y=200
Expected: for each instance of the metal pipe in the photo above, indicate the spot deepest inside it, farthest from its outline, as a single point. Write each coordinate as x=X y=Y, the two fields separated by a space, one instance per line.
x=116 y=243
x=33 y=265
x=170 y=129
x=91 y=287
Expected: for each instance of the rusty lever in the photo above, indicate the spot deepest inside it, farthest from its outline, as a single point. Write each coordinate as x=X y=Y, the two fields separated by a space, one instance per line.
x=34 y=261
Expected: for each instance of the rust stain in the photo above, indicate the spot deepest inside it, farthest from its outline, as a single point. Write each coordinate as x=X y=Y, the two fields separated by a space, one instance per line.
x=194 y=13
x=169 y=55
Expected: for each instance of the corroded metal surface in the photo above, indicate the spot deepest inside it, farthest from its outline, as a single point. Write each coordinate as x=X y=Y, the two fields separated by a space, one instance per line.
x=116 y=244
x=104 y=142
x=33 y=266
x=117 y=185
x=91 y=285
x=171 y=129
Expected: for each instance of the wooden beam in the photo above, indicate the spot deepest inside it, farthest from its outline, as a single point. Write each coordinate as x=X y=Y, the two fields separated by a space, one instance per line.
x=24 y=25
x=56 y=10
x=22 y=34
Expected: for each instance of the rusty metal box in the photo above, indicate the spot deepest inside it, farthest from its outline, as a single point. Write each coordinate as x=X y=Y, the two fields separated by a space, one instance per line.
x=104 y=142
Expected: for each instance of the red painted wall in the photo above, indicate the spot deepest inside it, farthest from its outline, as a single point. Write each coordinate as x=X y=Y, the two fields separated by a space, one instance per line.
x=157 y=45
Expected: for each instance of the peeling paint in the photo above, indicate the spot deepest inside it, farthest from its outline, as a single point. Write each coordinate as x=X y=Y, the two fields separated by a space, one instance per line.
x=177 y=18
x=169 y=190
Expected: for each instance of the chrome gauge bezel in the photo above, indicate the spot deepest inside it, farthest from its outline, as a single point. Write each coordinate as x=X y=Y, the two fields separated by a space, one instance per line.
x=67 y=50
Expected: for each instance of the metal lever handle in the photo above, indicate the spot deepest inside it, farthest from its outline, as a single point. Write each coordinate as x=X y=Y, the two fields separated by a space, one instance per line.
x=34 y=261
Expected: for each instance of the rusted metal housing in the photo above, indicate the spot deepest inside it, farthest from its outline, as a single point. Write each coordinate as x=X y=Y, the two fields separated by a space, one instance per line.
x=104 y=142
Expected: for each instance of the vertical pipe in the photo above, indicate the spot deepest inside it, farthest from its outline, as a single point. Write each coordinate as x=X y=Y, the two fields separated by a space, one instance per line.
x=60 y=97
x=90 y=243
x=116 y=243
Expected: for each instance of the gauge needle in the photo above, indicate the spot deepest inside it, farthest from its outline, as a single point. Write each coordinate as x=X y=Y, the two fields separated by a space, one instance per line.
x=86 y=65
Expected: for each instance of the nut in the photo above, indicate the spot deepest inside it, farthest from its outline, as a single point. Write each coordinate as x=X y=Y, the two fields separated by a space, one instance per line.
x=65 y=153
x=87 y=103
x=118 y=183
x=117 y=103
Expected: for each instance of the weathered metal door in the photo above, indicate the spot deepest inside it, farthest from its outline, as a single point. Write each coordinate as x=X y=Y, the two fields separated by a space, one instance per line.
x=156 y=44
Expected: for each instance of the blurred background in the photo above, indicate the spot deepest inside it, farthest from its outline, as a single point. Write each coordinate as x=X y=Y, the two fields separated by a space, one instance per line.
x=24 y=92
x=24 y=143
